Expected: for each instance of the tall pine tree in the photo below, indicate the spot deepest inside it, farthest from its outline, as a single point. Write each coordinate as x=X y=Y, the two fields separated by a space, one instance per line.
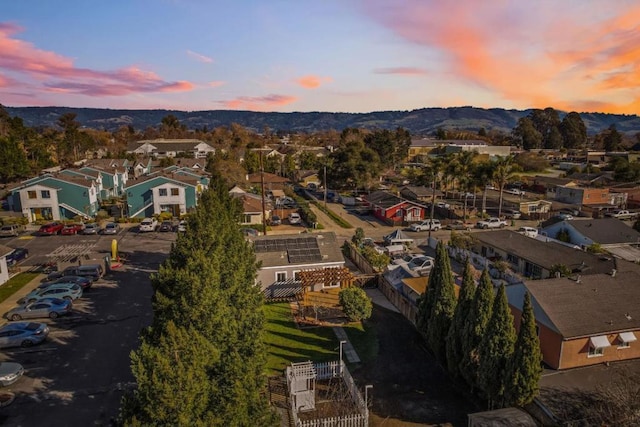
x=462 y=312
x=495 y=351
x=209 y=281
x=525 y=367
x=475 y=326
x=443 y=306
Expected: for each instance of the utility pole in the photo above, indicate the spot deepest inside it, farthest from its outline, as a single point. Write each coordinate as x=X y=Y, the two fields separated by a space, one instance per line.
x=325 y=186
x=433 y=205
x=264 y=211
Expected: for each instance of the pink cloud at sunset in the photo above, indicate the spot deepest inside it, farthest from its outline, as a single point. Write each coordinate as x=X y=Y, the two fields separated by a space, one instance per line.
x=55 y=73
x=199 y=57
x=258 y=103
x=312 y=82
x=569 y=55
x=403 y=71
x=216 y=83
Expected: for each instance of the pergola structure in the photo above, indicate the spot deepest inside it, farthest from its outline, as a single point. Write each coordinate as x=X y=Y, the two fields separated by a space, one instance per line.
x=320 y=280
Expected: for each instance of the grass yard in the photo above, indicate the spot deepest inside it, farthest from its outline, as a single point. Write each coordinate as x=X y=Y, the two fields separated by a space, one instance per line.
x=14 y=284
x=286 y=343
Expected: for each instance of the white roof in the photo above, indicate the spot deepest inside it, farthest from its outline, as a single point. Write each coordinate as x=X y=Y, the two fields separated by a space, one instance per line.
x=600 y=341
x=628 y=337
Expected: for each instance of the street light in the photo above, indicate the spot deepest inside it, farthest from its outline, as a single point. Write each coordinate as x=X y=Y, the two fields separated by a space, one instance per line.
x=341 y=342
x=366 y=395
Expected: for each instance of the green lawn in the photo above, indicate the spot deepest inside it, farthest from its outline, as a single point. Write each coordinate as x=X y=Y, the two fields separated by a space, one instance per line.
x=15 y=284
x=286 y=343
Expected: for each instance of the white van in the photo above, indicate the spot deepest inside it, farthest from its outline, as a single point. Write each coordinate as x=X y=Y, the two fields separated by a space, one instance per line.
x=528 y=231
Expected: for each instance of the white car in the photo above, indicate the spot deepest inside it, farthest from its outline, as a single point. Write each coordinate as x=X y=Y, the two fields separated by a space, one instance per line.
x=406 y=259
x=528 y=231
x=148 y=224
x=294 y=218
x=421 y=264
x=182 y=226
x=427 y=225
x=515 y=191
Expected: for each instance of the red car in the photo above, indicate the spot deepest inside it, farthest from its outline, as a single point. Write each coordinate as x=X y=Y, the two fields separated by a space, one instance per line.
x=72 y=229
x=51 y=228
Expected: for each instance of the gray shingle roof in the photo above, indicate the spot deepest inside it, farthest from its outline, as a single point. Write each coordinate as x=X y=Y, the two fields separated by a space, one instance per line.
x=545 y=254
x=606 y=231
x=598 y=304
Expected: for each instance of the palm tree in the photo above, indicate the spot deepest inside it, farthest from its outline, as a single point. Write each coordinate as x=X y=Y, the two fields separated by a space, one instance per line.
x=504 y=169
x=434 y=170
x=465 y=162
x=482 y=176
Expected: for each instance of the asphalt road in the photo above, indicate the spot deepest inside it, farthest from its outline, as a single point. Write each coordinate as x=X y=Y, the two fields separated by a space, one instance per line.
x=78 y=375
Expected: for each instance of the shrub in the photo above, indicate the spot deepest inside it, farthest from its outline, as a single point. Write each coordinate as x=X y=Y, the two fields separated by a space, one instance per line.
x=355 y=303
x=376 y=259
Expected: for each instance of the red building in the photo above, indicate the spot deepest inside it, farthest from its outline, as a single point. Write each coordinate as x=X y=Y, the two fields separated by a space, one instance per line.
x=395 y=210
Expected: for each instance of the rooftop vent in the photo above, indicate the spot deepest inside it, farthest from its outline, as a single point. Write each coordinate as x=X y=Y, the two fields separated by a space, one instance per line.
x=613 y=272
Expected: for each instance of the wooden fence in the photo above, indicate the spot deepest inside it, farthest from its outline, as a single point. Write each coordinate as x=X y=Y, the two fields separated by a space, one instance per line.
x=360 y=261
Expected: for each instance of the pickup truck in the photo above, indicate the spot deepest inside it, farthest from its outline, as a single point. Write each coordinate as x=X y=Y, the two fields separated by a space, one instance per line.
x=622 y=214
x=492 y=222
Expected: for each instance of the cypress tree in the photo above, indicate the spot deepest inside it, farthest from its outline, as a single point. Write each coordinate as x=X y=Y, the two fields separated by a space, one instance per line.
x=474 y=329
x=208 y=283
x=444 y=302
x=462 y=312
x=496 y=349
x=524 y=368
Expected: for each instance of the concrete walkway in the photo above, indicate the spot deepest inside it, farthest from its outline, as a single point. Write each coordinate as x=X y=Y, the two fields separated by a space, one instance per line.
x=348 y=351
x=378 y=298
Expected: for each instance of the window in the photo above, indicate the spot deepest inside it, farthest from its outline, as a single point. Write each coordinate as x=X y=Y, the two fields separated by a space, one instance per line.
x=32 y=195
x=595 y=351
x=281 y=276
x=513 y=259
x=175 y=191
x=623 y=344
x=45 y=194
x=162 y=192
x=296 y=275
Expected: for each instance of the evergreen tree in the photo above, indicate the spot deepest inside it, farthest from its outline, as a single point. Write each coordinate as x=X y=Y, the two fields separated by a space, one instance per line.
x=173 y=386
x=524 y=368
x=475 y=326
x=495 y=351
x=209 y=281
x=462 y=312
x=443 y=306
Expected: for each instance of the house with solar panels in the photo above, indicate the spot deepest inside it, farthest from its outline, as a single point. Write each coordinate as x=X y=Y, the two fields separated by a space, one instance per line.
x=283 y=257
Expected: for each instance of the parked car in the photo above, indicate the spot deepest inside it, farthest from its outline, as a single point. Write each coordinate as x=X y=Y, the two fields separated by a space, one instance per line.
x=459 y=225
x=90 y=271
x=148 y=224
x=22 y=334
x=492 y=222
x=275 y=220
x=166 y=226
x=10 y=372
x=405 y=259
x=294 y=218
x=71 y=229
x=110 y=228
x=51 y=228
x=515 y=191
x=47 y=307
x=528 y=231
x=182 y=226
x=68 y=291
x=421 y=264
x=250 y=232
x=91 y=228
x=17 y=255
x=11 y=230
x=512 y=213
x=83 y=282
x=433 y=225
x=565 y=216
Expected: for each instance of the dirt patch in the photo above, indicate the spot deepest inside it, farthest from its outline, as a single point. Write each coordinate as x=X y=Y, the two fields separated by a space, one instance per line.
x=409 y=387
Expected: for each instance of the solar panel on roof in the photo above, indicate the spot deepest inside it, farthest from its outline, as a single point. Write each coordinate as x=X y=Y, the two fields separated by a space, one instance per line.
x=278 y=245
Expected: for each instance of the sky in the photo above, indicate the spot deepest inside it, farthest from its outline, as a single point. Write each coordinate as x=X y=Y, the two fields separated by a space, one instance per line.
x=321 y=55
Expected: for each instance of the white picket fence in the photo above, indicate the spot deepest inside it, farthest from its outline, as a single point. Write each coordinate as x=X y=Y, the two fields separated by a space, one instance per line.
x=355 y=420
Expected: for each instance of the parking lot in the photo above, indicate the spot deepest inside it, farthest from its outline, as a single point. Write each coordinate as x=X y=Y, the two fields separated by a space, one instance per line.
x=79 y=374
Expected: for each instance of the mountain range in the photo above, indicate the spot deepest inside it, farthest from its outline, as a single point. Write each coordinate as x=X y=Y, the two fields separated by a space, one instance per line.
x=424 y=121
